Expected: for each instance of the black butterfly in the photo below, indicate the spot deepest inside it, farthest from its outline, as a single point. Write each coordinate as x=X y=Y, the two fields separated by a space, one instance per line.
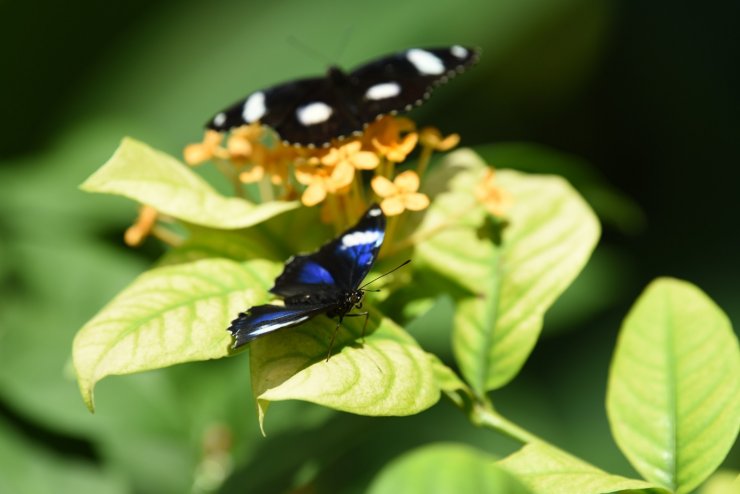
x=327 y=281
x=312 y=112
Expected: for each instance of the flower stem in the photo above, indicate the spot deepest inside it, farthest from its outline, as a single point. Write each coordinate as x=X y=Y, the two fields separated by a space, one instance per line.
x=167 y=236
x=426 y=156
x=389 y=231
x=227 y=170
x=357 y=193
x=266 y=192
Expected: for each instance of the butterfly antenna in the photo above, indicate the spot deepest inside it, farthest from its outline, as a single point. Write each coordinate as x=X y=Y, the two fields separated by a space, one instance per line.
x=345 y=41
x=386 y=274
x=309 y=50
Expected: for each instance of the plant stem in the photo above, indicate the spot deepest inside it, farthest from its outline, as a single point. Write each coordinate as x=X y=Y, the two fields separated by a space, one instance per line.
x=167 y=236
x=484 y=415
x=426 y=155
x=389 y=231
x=266 y=192
x=227 y=169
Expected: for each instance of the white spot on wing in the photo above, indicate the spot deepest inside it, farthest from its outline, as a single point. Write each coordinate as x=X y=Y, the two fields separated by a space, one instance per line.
x=459 y=51
x=383 y=90
x=277 y=325
x=374 y=237
x=314 y=113
x=425 y=62
x=254 y=107
x=375 y=212
x=219 y=119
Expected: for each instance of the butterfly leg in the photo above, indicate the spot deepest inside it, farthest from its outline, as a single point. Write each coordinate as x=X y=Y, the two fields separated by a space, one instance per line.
x=366 y=315
x=333 y=337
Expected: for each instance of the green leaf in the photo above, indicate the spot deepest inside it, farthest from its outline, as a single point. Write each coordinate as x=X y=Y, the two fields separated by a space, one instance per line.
x=722 y=482
x=388 y=374
x=167 y=316
x=152 y=177
x=674 y=385
x=204 y=243
x=513 y=279
x=445 y=468
x=548 y=470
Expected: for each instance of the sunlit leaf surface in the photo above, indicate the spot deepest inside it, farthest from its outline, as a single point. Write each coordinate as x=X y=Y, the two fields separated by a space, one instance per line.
x=547 y=470
x=388 y=374
x=168 y=315
x=445 y=468
x=674 y=385
x=152 y=177
x=513 y=274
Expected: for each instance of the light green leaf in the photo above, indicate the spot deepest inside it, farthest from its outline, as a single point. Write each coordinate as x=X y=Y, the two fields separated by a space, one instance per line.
x=513 y=279
x=204 y=243
x=722 y=482
x=167 y=316
x=152 y=177
x=548 y=470
x=388 y=374
x=445 y=468
x=674 y=385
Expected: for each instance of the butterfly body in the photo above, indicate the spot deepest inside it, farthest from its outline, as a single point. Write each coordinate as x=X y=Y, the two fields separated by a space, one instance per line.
x=313 y=112
x=326 y=281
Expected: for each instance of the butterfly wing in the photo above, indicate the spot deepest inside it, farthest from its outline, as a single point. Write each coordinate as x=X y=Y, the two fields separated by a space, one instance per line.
x=312 y=112
x=400 y=81
x=337 y=267
x=264 y=319
x=305 y=112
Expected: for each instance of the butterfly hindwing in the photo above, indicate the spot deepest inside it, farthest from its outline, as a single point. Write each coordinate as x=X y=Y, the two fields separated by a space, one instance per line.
x=264 y=319
x=339 y=265
x=314 y=111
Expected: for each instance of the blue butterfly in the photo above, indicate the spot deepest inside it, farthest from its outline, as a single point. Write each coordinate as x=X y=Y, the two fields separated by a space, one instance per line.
x=326 y=281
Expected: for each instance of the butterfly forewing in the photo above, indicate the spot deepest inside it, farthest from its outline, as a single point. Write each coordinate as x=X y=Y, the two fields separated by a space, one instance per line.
x=338 y=266
x=313 y=112
x=399 y=82
x=325 y=281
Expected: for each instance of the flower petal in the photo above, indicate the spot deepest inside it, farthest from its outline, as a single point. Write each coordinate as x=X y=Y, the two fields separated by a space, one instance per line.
x=341 y=176
x=332 y=157
x=351 y=147
x=307 y=174
x=448 y=142
x=407 y=181
x=254 y=174
x=402 y=149
x=365 y=160
x=314 y=194
x=196 y=154
x=416 y=201
x=383 y=187
x=239 y=147
x=392 y=206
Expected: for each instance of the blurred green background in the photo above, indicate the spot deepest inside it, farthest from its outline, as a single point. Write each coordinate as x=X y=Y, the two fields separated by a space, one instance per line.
x=637 y=103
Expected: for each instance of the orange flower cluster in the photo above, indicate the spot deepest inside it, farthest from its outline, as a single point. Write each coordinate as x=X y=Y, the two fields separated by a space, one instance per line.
x=258 y=156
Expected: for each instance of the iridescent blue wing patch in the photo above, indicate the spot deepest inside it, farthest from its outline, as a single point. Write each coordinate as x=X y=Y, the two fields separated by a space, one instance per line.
x=264 y=319
x=350 y=256
x=339 y=265
x=326 y=281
